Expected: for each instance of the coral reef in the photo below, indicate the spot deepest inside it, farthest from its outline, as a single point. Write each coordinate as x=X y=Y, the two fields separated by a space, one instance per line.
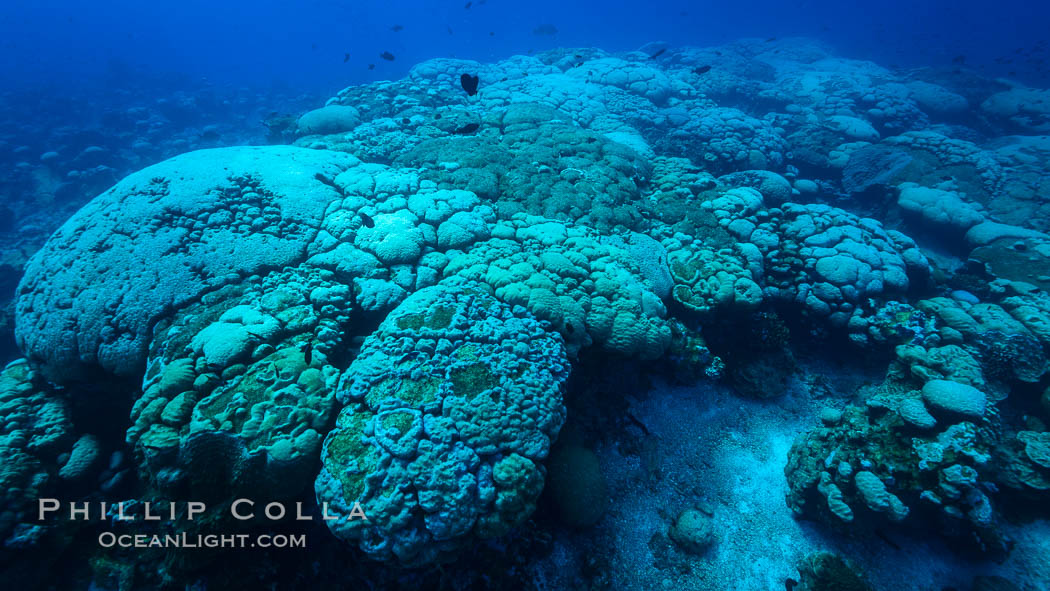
x=900 y=457
x=380 y=320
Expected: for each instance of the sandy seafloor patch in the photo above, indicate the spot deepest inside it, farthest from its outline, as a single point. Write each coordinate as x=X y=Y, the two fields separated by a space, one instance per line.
x=714 y=449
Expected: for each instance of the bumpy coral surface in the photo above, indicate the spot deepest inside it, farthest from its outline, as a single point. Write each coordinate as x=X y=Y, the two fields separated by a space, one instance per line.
x=37 y=430
x=161 y=238
x=244 y=376
x=451 y=407
x=591 y=292
x=883 y=466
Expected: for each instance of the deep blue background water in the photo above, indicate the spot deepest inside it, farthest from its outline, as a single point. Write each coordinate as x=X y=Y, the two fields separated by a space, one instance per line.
x=305 y=43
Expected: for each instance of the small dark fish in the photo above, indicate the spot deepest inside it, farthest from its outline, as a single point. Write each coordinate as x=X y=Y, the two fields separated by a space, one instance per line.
x=387 y=56
x=504 y=79
x=371 y=66
x=545 y=29
x=346 y=57
x=701 y=70
x=331 y=183
x=492 y=33
x=308 y=352
x=405 y=121
x=959 y=59
x=882 y=536
x=771 y=39
x=313 y=46
x=468 y=5
x=397 y=28
x=469 y=84
x=468 y=128
x=449 y=29
x=410 y=355
x=658 y=54
x=437 y=116
x=367 y=221
x=638 y=423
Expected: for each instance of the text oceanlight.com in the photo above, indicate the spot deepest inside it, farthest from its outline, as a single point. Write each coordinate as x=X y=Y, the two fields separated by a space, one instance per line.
x=184 y=540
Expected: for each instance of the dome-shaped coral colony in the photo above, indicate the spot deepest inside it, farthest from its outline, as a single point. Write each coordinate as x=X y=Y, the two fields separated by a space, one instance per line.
x=388 y=311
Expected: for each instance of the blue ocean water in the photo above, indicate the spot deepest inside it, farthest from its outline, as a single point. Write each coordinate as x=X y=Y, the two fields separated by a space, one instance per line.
x=545 y=295
x=304 y=43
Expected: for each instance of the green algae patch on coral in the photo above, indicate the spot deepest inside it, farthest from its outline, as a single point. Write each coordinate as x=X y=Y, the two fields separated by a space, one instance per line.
x=435 y=319
x=347 y=446
x=411 y=391
x=470 y=380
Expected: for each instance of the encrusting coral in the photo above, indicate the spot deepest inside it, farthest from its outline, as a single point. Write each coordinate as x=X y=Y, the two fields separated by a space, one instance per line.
x=449 y=412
